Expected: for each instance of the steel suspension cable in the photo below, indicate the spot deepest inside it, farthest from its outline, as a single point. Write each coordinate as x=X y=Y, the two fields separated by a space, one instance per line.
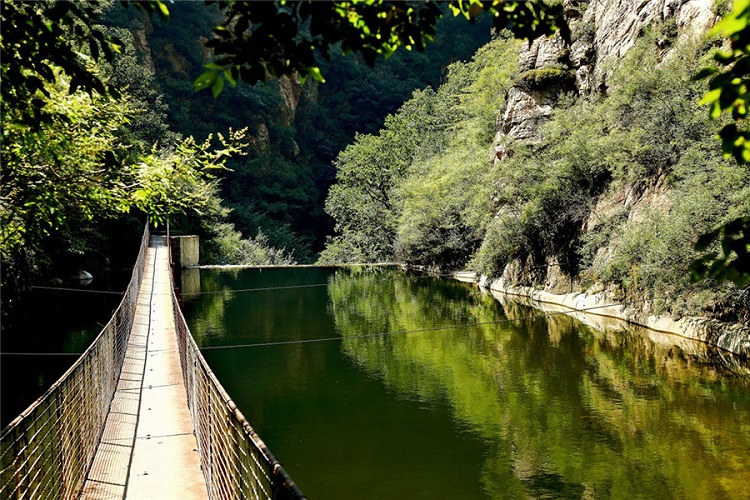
x=265 y=289
x=420 y=330
x=292 y=287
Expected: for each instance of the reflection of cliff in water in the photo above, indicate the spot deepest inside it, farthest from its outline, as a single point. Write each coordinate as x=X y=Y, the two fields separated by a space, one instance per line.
x=564 y=409
x=617 y=332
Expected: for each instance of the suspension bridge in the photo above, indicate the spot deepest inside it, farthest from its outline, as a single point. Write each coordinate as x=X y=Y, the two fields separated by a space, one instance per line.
x=140 y=414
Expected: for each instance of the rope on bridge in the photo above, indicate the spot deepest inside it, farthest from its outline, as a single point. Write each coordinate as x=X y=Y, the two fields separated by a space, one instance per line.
x=235 y=461
x=47 y=450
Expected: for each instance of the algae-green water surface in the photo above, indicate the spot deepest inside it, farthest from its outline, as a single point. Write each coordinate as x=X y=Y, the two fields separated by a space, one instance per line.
x=509 y=403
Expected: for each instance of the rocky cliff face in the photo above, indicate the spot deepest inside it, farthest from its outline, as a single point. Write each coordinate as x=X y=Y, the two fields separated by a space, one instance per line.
x=176 y=60
x=602 y=32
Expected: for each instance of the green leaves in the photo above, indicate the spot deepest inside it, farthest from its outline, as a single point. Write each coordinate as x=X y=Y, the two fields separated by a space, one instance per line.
x=217 y=86
x=66 y=169
x=734 y=142
x=705 y=73
x=280 y=38
x=524 y=19
x=732 y=261
x=43 y=40
x=728 y=92
x=215 y=77
x=206 y=80
x=411 y=191
x=728 y=87
x=182 y=181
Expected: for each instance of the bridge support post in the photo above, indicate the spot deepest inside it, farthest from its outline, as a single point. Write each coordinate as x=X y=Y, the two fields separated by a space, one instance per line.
x=185 y=250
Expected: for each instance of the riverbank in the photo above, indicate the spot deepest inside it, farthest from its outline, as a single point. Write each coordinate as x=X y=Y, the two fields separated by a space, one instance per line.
x=586 y=307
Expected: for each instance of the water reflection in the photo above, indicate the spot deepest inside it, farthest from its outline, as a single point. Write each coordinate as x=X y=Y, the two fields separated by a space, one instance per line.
x=507 y=404
x=564 y=409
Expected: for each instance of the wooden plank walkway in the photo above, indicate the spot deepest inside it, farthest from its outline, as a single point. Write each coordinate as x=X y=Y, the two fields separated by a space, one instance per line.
x=148 y=449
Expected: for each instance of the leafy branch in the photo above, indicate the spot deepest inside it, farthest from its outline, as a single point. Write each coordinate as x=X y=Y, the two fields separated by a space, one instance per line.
x=733 y=262
x=182 y=180
x=728 y=93
x=258 y=40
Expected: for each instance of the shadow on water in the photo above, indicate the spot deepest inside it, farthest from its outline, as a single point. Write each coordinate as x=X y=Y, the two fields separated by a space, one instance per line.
x=51 y=321
x=481 y=399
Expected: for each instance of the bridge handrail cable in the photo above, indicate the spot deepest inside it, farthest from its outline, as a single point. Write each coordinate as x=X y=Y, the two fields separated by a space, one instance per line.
x=235 y=461
x=47 y=451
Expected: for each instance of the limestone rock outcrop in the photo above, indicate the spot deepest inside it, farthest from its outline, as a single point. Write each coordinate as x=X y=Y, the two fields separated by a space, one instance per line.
x=291 y=90
x=602 y=32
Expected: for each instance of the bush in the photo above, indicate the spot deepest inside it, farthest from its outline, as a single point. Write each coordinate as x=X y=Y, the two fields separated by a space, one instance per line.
x=536 y=79
x=229 y=247
x=420 y=188
x=648 y=134
x=500 y=245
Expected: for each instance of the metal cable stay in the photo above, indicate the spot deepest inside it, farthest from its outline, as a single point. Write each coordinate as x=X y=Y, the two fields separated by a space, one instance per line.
x=229 y=290
x=407 y=332
x=371 y=335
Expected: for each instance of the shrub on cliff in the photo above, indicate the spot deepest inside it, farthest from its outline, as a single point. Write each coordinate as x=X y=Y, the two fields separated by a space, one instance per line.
x=535 y=79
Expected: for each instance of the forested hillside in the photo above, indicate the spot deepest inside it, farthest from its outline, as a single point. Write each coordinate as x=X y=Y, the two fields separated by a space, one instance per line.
x=111 y=129
x=576 y=162
x=295 y=131
x=604 y=185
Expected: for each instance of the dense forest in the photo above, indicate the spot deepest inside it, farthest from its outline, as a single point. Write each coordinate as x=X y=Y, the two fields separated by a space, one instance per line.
x=413 y=207
x=248 y=170
x=397 y=163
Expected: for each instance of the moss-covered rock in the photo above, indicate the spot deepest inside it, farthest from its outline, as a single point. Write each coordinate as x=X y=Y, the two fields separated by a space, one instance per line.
x=536 y=79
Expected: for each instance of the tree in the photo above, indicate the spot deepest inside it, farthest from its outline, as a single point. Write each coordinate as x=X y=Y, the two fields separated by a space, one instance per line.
x=36 y=42
x=48 y=44
x=77 y=156
x=58 y=180
x=68 y=168
x=256 y=39
x=261 y=39
x=180 y=181
x=42 y=40
x=361 y=203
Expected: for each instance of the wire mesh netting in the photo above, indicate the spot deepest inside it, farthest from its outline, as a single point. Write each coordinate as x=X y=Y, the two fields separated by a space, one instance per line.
x=235 y=462
x=47 y=450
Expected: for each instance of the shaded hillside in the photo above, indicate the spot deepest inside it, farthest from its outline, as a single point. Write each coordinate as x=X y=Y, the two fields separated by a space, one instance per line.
x=279 y=188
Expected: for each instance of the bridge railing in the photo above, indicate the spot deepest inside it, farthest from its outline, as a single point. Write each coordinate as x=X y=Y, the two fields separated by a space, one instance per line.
x=235 y=461
x=48 y=449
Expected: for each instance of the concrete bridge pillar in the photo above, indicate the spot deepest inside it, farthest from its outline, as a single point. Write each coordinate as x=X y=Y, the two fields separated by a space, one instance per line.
x=185 y=250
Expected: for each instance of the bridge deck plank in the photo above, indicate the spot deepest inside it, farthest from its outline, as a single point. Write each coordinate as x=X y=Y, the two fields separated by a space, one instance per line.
x=148 y=449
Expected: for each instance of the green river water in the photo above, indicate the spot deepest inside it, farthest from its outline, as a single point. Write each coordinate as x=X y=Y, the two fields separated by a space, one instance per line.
x=511 y=404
